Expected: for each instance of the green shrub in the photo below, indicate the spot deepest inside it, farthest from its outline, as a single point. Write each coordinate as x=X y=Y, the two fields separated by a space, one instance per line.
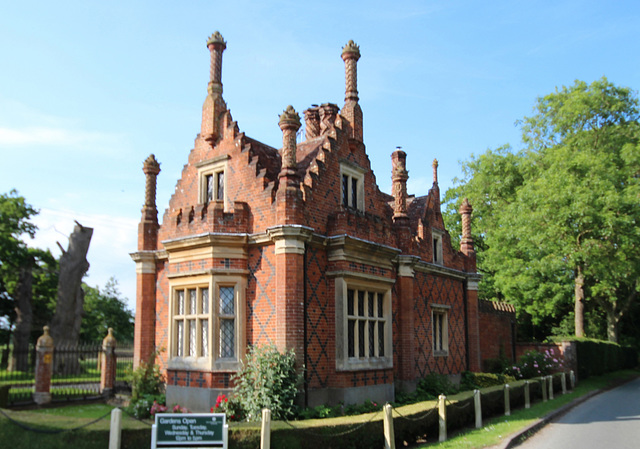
x=534 y=364
x=433 y=385
x=268 y=379
x=147 y=387
x=484 y=380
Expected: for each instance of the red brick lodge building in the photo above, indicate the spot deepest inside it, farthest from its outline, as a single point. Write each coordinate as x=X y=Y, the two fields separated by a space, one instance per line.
x=297 y=247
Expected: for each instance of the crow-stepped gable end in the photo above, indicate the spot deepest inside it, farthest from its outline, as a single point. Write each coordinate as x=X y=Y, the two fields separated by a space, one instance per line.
x=298 y=247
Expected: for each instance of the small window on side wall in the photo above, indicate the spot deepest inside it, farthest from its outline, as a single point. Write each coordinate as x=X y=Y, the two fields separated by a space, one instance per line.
x=440 y=330
x=437 y=247
x=352 y=186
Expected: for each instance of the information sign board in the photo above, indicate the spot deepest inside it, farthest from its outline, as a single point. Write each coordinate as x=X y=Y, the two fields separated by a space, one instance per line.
x=190 y=429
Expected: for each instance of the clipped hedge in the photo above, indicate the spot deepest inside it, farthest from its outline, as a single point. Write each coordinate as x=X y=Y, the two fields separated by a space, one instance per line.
x=597 y=357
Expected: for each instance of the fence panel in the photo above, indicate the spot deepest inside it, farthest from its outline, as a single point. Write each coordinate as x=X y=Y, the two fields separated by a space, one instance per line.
x=124 y=357
x=76 y=372
x=20 y=382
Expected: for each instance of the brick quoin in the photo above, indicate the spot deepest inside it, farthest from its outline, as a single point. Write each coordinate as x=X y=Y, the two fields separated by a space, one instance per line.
x=277 y=229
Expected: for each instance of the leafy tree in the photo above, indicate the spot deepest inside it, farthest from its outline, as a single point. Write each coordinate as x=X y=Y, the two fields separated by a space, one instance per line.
x=562 y=215
x=105 y=308
x=16 y=264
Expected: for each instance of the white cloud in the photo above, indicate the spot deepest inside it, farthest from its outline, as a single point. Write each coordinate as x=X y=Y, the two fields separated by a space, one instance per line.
x=52 y=136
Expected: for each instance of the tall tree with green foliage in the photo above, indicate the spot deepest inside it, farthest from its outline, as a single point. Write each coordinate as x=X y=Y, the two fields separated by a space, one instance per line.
x=16 y=274
x=105 y=308
x=564 y=212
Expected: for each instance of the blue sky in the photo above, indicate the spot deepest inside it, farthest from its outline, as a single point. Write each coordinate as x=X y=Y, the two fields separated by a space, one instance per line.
x=89 y=89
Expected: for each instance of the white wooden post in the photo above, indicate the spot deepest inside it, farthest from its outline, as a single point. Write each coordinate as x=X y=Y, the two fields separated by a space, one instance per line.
x=527 y=395
x=550 y=388
x=265 y=435
x=389 y=436
x=478 y=407
x=507 y=401
x=572 y=378
x=115 y=432
x=543 y=384
x=563 y=381
x=442 y=414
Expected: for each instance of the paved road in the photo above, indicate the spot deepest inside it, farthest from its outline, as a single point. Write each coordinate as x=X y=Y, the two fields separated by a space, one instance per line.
x=610 y=420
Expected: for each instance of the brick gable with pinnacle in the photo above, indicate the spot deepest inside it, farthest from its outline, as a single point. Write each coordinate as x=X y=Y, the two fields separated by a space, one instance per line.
x=297 y=247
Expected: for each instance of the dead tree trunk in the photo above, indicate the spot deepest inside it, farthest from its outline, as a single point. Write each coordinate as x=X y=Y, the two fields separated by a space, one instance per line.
x=24 y=317
x=65 y=326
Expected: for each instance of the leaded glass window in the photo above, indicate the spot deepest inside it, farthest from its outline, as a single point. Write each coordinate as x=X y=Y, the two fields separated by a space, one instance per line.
x=191 y=324
x=227 y=322
x=365 y=324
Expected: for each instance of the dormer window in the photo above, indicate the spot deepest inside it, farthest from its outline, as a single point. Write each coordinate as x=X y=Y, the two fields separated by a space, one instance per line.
x=437 y=246
x=215 y=187
x=212 y=181
x=352 y=186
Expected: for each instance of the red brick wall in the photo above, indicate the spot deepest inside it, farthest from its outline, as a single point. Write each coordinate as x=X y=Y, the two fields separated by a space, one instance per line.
x=495 y=336
x=431 y=289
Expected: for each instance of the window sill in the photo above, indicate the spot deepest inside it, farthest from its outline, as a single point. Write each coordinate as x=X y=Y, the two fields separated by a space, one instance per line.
x=364 y=364
x=203 y=364
x=441 y=353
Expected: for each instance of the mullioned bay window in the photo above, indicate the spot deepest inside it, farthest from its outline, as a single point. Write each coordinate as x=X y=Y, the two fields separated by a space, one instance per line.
x=207 y=332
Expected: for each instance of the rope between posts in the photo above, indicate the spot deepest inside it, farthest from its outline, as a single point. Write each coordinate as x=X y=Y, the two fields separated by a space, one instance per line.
x=51 y=431
x=456 y=406
x=419 y=418
x=324 y=435
x=137 y=419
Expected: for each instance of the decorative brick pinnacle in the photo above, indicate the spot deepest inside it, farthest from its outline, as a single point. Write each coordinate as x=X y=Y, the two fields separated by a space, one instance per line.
x=216 y=39
x=216 y=45
x=399 y=177
x=435 y=171
x=289 y=119
x=466 y=208
x=151 y=166
x=289 y=124
x=466 y=244
x=351 y=51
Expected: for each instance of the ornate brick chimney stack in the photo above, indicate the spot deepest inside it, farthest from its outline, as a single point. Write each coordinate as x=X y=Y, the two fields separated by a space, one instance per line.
x=466 y=244
x=312 y=122
x=289 y=196
x=214 y=105
x=351 y=110
x=399 y=177
x=148 y=227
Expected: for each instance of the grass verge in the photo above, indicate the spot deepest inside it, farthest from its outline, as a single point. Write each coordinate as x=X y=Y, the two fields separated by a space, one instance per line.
x=496 y=430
